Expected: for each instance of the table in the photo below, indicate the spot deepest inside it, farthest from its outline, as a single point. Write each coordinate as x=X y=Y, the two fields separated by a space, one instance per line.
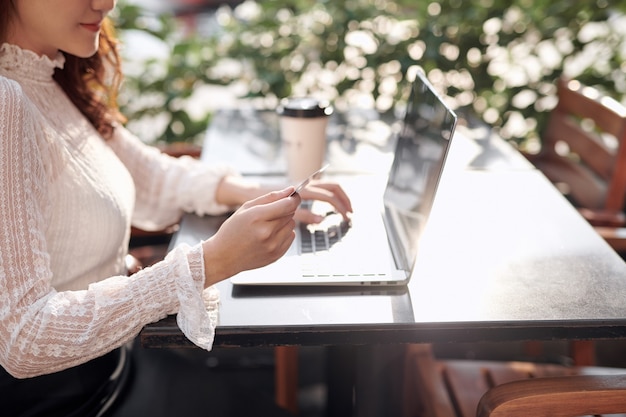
x=504 y=256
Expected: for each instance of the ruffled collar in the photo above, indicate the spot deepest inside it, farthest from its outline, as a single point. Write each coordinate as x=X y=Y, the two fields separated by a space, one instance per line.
x=22 y=64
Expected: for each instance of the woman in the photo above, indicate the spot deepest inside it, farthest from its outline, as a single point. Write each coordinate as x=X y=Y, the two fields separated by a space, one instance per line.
x=72 y=181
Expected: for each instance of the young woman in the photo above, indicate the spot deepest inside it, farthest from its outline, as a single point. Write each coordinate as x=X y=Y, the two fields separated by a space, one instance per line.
x=72 y=181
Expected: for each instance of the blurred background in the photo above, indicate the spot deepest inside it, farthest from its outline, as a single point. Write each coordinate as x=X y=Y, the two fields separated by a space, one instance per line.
x=494 y=59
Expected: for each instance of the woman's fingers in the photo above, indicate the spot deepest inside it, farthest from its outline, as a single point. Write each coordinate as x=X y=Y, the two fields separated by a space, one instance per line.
x=257 y=234
x=329 y=192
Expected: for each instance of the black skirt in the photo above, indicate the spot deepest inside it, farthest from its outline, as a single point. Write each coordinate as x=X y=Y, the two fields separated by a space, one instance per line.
x=86 y=390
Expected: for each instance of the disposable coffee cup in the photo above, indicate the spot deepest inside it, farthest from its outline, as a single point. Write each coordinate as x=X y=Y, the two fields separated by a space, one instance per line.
x=303 y=122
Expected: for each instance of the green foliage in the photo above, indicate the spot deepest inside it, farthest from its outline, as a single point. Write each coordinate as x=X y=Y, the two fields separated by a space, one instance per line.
x=158 y=87
x=496 y=58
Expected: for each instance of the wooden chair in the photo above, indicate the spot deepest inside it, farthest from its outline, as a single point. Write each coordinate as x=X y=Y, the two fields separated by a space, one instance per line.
x=557 y=397
x=583 y=153
x=468 y=388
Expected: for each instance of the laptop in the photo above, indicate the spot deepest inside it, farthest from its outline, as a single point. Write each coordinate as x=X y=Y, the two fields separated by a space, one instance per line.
x=378 y=246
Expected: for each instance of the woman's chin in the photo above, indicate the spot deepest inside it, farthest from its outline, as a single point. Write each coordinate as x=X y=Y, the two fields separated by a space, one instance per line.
x=83 y=51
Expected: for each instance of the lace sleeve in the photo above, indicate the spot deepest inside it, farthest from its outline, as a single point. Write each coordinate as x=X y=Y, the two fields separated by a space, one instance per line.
x=167 y=187
x=42 y=330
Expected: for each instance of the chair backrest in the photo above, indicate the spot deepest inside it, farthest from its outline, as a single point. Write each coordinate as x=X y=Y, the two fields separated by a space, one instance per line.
x=568 y=396
x=586 y=133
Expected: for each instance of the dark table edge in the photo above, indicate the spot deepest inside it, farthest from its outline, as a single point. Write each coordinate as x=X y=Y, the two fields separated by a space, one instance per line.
x=165 y=334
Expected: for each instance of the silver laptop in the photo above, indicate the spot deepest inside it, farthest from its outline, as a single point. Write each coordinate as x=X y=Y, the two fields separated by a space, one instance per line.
x=379 y=245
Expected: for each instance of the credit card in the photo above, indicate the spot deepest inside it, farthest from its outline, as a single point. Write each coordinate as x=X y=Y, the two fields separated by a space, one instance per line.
x=304 y=183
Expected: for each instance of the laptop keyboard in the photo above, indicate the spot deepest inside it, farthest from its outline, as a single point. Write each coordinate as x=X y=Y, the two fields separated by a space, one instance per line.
x=322 y=236
x=333 y=232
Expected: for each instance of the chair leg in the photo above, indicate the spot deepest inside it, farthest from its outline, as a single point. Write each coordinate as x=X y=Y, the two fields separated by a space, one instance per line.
x=583 y=352
x=286 y=377
x=533 y=349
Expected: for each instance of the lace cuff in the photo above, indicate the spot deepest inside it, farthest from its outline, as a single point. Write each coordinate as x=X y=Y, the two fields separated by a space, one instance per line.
x=198 y=313
x=197 y=192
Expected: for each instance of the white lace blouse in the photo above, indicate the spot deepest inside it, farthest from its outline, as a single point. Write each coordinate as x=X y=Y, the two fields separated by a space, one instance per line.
x=67 y=200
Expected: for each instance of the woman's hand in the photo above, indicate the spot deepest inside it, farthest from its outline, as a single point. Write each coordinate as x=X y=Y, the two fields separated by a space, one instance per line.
x=324 y=191
x=257 y=234
x=234 y=191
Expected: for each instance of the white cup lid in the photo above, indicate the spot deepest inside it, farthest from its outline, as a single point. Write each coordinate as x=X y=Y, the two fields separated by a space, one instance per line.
x=304 y=107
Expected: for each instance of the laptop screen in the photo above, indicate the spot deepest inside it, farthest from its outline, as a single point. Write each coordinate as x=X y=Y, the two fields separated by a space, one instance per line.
x=421 y=149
